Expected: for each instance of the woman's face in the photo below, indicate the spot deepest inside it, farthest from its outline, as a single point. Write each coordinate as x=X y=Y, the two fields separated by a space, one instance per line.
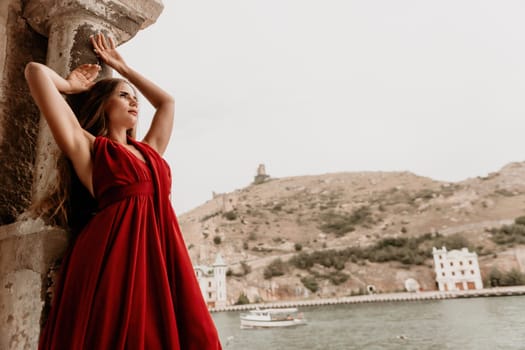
x=122 y=107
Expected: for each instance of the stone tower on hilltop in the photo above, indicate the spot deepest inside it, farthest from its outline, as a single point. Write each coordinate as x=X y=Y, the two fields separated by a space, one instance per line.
x=261 y=175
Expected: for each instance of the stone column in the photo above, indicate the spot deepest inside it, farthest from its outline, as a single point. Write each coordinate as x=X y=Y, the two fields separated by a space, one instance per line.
x=29 y=246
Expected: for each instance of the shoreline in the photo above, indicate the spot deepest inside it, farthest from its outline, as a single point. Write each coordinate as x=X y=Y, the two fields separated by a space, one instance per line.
x=379 y=298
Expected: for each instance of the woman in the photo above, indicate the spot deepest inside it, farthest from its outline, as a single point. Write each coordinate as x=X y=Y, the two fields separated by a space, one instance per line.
x=127 y=282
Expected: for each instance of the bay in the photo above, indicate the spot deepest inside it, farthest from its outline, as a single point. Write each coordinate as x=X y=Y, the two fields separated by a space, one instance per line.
x=474 y=323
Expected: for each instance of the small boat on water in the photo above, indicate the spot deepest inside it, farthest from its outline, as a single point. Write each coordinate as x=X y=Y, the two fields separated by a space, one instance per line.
x=267 y=318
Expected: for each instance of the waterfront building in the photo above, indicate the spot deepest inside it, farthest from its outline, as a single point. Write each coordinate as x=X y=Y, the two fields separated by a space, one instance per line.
x=212 y=281
x=456 y=269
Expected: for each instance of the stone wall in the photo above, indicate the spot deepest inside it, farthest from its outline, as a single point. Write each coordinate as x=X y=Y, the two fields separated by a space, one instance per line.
x=28 y=247
x=18 y=114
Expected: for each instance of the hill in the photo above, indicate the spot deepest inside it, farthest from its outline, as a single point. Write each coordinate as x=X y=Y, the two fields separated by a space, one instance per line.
x=334 y=234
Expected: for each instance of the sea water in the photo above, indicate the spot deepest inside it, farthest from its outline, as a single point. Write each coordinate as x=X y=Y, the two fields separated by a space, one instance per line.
x=475 y=323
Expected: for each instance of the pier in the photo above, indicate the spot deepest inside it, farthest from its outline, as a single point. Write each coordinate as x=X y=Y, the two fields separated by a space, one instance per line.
x=381 y=297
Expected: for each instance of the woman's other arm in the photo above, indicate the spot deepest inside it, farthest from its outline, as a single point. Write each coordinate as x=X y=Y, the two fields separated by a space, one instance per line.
x=159 y=132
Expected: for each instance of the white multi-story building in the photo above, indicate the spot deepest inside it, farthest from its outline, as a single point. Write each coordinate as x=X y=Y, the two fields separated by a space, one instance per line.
x=212 y=281
x=456 y=269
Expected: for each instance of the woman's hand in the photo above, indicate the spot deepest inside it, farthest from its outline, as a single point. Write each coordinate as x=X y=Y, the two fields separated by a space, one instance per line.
x=105 y=49
x=82 y=78
x=159 y=132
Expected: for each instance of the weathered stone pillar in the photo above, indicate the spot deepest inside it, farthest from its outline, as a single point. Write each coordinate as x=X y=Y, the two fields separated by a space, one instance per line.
x=30 y=245
x=18 y=115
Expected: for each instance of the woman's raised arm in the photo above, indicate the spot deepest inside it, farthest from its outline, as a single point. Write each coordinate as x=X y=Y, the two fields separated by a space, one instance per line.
x=46 y=87
x=159 y=132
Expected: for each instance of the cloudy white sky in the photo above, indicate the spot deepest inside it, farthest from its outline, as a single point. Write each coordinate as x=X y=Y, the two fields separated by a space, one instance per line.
x=310 y=87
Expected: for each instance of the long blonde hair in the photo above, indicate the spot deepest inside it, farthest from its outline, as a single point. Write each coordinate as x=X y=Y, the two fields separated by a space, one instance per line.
x=71 y=205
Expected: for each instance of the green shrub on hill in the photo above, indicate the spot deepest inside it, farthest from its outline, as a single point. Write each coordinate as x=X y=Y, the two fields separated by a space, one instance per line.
x=342 y=223
x=275 y=268
x=230 y=215
x=327 y=258
x=510 y=235
x=302 y=261
x=520 y=220
x=454 y=241
x=406 y=250
x=338 y=277
x=310 y=283
x=497 y=278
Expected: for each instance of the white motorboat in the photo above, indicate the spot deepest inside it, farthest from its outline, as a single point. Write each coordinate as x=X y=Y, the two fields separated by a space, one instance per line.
x=266 y=318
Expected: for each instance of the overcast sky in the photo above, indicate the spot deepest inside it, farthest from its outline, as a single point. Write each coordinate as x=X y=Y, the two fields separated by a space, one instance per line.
x=311 y=87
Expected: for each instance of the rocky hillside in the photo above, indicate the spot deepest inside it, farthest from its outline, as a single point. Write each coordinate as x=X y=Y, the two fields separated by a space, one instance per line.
x=334 y=234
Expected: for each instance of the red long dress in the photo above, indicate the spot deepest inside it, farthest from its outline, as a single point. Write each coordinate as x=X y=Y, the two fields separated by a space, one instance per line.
x=128 y=282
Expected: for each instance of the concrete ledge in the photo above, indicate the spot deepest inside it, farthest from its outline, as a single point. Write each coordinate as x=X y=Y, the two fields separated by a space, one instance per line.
x=30 y=245
x=387 y=297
